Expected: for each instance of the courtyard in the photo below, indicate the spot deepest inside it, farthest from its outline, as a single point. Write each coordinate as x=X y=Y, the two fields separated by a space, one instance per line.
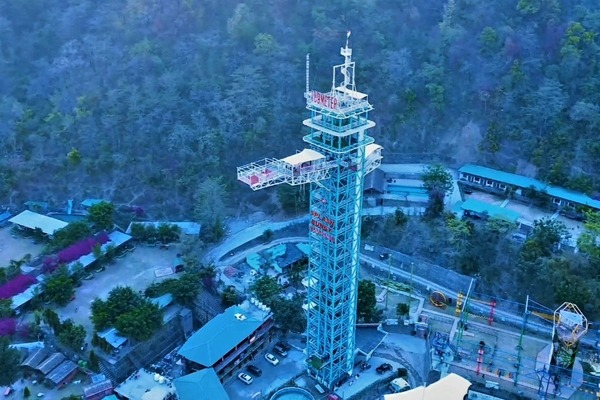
x=13 y=247
x=136 y=269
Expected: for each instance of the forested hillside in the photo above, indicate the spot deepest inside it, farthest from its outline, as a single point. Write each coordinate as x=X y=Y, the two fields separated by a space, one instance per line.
x=154 y=102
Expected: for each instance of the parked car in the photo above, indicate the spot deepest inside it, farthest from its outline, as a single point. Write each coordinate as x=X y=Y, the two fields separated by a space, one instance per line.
x=280 y=351
x=284 y=345
x=247 y=379
x=271 y=359
x=254 y=370
x=383 y=368
x=384 y=256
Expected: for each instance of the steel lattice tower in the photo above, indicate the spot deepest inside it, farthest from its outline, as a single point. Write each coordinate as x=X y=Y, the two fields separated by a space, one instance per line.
x=340 y=155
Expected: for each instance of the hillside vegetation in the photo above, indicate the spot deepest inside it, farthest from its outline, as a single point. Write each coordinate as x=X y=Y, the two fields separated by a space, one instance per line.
x=153 y=103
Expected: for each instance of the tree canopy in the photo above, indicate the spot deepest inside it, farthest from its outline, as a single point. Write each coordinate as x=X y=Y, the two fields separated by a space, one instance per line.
x=150 y=109
x=126 y=310
x=366 y=308
x=266 y=289
x=9 y=363
x=59 y=286
x=101 y=215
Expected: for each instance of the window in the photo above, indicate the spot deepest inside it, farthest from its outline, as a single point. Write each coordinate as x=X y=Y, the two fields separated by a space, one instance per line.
x=556 y=201
x=501 y=186
x=489 y=183
x=476 y=179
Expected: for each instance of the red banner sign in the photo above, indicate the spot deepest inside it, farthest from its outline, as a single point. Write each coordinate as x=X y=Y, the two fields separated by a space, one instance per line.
x=324 y=100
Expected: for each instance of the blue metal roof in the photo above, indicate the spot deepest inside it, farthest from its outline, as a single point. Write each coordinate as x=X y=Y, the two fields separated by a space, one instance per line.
x=5 y=215
x=221 y=334
x=574 y=197
x=481 y=207
x=112 y=337
x=92 y=202
x=524 y=182
x=162 y=301
x=501 y=176
x=201 y=385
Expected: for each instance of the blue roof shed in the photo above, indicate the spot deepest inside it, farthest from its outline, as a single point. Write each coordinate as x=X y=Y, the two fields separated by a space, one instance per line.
x=501 y=176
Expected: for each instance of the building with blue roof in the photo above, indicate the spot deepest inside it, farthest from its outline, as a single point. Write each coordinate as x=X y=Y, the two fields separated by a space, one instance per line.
x=501 y=182
x=201 y=385
x=4 y=217
x=481 y=209
x=228 y=340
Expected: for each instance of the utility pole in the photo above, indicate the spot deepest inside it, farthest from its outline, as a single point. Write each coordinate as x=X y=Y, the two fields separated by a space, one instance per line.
x=410 y=288
x=387 y=284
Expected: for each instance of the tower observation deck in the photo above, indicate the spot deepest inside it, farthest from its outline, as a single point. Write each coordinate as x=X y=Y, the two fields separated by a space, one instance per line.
x=339 y=156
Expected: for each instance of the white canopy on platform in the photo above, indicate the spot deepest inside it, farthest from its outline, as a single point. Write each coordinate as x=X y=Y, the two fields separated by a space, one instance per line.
x=305 y=155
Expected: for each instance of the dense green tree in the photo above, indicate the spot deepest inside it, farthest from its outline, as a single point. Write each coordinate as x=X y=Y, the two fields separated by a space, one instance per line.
x=51 y=318
x=102 y=215
x=267 y=235
x=589 y=241
x=266 y=289
x=402 y=309
x=94 y=361
x=26 y=392
x=70 y=234
x=367 y=302
x=167 y=233
x=293 y=199
x=139 y=323
x=138 y=231
x=229 y=296
x=9 y=363
x=437 y=178
x=72 y=335
x=59 y=287
x=6 y=308
x=134 y=316
x=289 y=314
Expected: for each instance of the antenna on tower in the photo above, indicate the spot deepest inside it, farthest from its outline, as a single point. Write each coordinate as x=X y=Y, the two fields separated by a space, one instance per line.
x=307 y=72
x=347 y=53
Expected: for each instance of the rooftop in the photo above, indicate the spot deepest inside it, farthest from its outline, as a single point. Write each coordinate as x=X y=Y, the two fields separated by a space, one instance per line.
x=97 y=388
x=163 y=301
x=201 y=385
x=4 y=216
x=525 y=182
x=145 y=385
x=481 y=207
x=305 y=155
x=112 y=337
x=375 y=181
x=304 y=247
x=35 y=358
x=60 y=373
x=92 y=202
x=50 y=363
x=32 y=220
x=254 y=260
x=222 y=333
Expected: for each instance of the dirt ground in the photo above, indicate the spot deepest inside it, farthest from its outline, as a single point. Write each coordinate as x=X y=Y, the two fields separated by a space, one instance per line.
x=136 y=270
x=15 y=248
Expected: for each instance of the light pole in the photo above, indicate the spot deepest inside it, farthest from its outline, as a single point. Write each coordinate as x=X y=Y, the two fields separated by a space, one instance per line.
x=387 y=284
x=410 y=289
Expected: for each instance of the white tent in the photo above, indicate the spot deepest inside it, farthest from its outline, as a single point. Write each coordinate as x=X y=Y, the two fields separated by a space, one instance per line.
x=32 y=220
x=451 y=387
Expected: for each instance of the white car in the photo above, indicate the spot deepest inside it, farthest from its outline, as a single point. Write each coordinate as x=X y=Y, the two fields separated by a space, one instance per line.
x=271 y=359
x=247 y=379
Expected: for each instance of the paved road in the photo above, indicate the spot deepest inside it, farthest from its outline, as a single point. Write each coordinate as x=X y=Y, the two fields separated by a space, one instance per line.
x=236 y=240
